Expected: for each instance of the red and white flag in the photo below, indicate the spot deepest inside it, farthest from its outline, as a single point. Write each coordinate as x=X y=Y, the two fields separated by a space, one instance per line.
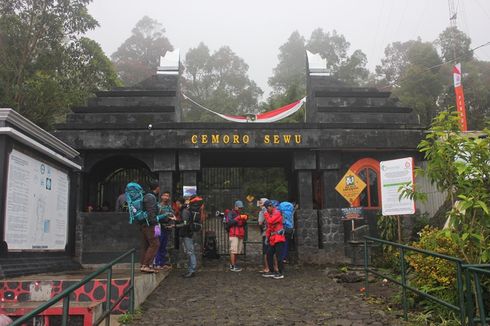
x=458 y=90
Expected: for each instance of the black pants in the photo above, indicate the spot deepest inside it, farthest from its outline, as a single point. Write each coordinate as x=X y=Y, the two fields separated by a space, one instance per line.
x=276 y=249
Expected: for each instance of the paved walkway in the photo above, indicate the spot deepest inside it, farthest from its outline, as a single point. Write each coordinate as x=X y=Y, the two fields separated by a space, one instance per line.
x=217 y=296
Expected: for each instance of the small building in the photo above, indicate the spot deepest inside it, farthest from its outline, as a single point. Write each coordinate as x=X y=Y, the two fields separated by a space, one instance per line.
x=137 y=133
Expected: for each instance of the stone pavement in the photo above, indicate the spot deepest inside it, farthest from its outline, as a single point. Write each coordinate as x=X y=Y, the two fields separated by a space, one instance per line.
x=217 y=296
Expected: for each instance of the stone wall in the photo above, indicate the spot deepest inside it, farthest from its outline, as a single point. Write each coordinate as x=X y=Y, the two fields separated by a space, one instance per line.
x=320 y=236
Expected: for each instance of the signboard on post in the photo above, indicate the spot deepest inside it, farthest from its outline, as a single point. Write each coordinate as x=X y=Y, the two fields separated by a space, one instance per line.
x=394 y=174
x=350 y=187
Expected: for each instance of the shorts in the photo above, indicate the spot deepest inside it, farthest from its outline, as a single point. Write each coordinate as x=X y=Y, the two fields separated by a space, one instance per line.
x=236 y=245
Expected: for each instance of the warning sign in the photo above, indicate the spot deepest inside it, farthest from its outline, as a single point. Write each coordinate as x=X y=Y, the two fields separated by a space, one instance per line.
x=350 y=187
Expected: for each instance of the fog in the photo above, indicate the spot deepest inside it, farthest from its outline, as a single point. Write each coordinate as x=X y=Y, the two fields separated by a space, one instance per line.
x=256 y=29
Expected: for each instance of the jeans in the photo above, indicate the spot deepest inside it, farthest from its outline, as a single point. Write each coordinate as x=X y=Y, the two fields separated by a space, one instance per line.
x=189 y=250
x=161 y=257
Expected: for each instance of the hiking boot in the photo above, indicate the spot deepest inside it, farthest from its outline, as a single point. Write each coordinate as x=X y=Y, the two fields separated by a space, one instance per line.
x=189 y=275
x=235 y=269
x=278 y=276
x=268 y=274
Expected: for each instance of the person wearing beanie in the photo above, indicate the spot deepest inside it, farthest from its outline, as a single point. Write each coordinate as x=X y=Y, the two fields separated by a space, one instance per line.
x=275 y=239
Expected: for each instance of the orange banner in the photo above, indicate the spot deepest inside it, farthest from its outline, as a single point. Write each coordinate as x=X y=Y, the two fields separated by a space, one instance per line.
x=458 y=90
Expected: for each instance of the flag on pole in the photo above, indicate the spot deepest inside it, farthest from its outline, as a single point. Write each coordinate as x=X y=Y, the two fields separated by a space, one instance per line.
x=458 y=90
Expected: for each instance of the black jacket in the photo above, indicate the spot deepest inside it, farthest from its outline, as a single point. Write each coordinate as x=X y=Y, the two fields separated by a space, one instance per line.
x=186 y=217
x=151 y=207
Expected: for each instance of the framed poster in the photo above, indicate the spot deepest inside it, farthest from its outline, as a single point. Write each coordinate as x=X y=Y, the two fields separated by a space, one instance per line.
x=36 y=210
x=394 y=174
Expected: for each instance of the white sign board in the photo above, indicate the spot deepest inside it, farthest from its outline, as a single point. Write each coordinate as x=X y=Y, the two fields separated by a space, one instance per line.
x=36 y=213
x=394 y=174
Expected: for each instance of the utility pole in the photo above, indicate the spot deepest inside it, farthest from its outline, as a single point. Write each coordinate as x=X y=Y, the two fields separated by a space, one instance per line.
x=453 y=24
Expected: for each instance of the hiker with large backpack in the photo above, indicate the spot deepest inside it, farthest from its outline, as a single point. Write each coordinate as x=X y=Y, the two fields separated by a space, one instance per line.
x=235 y=224
x=287 y=211
x=275 y=239
x=143 y=210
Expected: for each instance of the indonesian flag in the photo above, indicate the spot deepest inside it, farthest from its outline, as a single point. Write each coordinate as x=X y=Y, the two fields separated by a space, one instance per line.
x=270 y=116
x=458 y=90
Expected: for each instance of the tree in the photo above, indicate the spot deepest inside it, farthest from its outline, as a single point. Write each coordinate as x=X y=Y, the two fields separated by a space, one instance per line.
x=454 y=45
x=220 y=82
x=411 y=70
x=45 y=64
x=139 y=56
x=334 y=48
x=457 y=164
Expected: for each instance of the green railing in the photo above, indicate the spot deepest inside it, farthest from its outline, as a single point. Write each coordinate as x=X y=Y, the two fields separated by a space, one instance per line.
x=476 y=271
x=108 y=307
x=460 y=308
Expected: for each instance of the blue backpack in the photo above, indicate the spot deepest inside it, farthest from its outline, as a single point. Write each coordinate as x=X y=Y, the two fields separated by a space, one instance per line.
x=287 y=211
x=134 y=198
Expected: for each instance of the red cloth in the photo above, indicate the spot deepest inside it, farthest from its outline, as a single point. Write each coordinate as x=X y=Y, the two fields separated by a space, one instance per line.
x=274 y=224
x=237 y=230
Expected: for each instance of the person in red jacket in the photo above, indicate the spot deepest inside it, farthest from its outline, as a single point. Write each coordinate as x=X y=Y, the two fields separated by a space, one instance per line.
x=236 y=223
x=275 y=238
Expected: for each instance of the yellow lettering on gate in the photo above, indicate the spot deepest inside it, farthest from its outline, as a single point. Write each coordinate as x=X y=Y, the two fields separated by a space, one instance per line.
x=297 y=139
x=204 y=139
x=267 y=139
x=194 y=139
x=245 y=139
x=215 y=139
x=287 y=138
x=226 y=139
x=236 y=139
x=276 y=139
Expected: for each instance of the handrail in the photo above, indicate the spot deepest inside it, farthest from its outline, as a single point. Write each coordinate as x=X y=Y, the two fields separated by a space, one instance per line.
x=65 y=295
x=459 y=267
x=475 y=270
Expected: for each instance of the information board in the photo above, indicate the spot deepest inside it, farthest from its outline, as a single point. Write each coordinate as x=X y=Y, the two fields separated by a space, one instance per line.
x=350 y=186
x=36 y=213
x=394 y=174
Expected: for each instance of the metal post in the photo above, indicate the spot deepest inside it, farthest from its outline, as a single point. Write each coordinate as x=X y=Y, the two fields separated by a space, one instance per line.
x=462 y=315
x=108 y=296
x=469 y=298
x=404 y=283
x=481 y=306
x=66 y=309
x=131 y=284
x=366 y=267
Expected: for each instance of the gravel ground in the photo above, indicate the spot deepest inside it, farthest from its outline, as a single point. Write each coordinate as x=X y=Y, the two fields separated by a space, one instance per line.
x=216 y=296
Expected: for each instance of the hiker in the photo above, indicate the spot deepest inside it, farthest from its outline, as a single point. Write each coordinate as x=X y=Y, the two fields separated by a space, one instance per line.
x=263 y=228
x=165 y=216
x=186 y=234
x=149 y=242
x=275 y=239
x=121 y=204
x=236 y=225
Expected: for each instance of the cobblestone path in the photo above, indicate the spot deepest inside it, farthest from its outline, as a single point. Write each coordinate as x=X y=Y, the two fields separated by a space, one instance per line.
x=217 y=296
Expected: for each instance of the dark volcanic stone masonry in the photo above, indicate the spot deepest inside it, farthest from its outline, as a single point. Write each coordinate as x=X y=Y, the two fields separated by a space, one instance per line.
x=220 y=297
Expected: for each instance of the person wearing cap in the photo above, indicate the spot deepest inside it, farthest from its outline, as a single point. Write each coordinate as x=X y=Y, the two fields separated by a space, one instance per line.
x=275 y=239
x=236 y=221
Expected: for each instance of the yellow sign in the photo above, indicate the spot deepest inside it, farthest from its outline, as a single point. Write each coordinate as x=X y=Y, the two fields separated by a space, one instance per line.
x=350 y=187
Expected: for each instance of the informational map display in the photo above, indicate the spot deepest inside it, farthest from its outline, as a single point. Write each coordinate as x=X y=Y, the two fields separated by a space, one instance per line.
x=36 y=214
x=394 y=174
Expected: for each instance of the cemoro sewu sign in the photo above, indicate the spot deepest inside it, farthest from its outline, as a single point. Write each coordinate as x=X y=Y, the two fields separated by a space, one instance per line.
x=244 y=139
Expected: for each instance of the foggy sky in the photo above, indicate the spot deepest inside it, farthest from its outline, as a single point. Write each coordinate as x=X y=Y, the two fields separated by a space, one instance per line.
x=255 y=30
